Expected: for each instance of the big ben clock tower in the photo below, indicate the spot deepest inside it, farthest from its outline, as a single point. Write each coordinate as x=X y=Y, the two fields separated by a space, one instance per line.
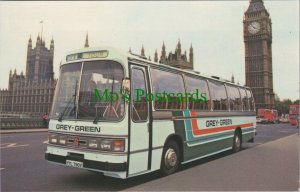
x=258 y=53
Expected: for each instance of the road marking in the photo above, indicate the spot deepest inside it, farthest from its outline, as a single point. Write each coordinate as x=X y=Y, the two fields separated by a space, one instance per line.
x=4 y=144
x=46 y=142
x=2 y=169
x=12 y=145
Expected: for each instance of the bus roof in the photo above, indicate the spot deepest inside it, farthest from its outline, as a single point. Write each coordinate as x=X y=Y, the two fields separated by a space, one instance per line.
x=107 y=52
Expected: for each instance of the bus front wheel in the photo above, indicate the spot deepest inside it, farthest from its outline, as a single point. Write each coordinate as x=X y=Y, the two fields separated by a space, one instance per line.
x=237 y=141
x=170 y=158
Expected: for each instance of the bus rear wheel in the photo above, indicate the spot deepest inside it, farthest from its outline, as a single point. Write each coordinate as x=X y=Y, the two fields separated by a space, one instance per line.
x=170 y=158
x=237 y=142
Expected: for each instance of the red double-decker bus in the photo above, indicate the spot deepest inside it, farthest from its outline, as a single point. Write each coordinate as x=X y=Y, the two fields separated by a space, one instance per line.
x=294 y=114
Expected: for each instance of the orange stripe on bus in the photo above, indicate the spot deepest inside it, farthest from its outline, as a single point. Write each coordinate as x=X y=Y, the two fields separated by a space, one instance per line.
x=197 y=131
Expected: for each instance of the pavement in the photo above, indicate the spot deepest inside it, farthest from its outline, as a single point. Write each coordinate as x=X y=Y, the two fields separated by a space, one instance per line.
x=25 y=130
x=268 y=167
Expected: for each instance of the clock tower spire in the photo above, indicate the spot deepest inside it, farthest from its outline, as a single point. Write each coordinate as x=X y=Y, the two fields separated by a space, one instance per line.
x=258 y=53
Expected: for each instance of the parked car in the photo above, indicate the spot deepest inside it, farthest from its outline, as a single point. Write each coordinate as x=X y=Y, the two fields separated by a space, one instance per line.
x=284 y=118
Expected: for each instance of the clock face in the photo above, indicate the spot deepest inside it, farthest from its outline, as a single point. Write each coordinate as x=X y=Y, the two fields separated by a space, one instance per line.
x=257 y=6
x=254 y=27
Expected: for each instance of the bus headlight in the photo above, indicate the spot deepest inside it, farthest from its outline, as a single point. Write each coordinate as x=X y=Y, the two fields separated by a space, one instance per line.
x=53 y=138
x=105 y=144
x=117 y=145
x=93 y=143
x=62 y=140
x=57 y=139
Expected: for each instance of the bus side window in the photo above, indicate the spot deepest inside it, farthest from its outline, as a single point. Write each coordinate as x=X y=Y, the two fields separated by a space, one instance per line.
x=197 y=94
x=245 y=101
x=139 y=109
x=168 y=90
x=234 y=98
x=218 y=95
x=251 y=100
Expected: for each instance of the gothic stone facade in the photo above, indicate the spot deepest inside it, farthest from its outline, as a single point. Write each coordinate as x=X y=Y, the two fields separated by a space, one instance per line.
x=176 y=59
x=258 y=53
x=31 y=94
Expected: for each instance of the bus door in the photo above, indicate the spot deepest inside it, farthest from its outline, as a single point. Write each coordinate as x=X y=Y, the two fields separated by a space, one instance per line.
x=140 y=126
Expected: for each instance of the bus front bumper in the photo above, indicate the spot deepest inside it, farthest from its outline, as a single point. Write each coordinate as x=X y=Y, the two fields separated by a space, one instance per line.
x=88 y=164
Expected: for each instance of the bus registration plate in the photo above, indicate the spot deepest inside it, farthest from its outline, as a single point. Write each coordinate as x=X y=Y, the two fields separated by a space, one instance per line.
x=74 y=164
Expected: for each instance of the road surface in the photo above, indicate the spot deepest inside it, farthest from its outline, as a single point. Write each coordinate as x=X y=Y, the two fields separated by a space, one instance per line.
x=270 y=163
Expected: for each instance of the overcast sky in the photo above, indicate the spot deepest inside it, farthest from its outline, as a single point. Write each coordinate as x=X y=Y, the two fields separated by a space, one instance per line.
x=214 y=28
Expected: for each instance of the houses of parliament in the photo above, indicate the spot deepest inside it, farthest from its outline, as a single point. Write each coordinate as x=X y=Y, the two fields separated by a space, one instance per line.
x=176 y=59
x=32 y=93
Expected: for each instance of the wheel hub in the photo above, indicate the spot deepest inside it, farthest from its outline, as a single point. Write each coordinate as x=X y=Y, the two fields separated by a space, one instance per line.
x=170 y=158
x=237 y=142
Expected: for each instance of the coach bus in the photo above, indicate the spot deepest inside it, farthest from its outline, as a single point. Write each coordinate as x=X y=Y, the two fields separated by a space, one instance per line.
x=123 y=115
